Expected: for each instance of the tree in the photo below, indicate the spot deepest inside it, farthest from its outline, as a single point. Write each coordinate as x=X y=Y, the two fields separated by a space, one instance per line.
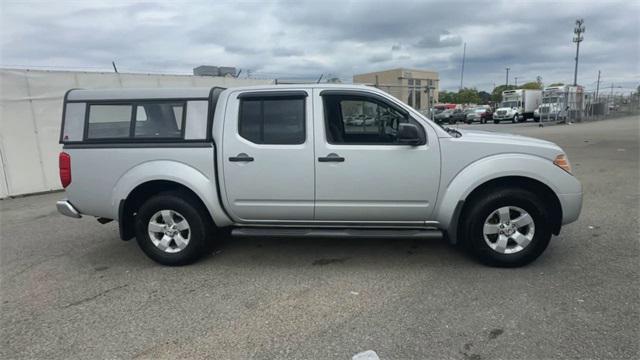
x=446 y=97
x=557 y=84
x=485 y=97
x=467 y=96
x=534 y=85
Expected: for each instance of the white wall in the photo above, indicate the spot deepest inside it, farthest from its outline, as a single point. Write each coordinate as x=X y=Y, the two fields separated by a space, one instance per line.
x=31 y=111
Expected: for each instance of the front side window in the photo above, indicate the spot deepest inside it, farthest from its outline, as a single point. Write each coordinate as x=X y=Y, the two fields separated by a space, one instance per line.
x=360 y=120
x=109 y=121
x=272 y=120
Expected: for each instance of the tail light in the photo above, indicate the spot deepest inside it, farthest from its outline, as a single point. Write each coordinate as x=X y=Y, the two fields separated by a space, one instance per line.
x=64 y=163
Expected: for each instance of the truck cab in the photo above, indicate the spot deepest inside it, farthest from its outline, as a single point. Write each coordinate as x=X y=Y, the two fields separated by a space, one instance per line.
x=518 y=105
x=179 y=168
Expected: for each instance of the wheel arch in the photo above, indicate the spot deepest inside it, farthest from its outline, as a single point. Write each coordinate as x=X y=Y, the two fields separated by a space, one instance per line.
x=150 y=178
x=539 y=176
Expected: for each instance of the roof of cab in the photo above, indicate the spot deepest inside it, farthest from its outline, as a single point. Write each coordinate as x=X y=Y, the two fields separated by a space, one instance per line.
x=183 y=93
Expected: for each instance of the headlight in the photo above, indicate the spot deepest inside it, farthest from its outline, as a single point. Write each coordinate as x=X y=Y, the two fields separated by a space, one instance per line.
x=562 y=162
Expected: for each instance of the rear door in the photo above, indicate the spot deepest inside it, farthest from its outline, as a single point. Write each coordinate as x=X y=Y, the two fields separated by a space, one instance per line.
x=363 y=173
x=268 y=156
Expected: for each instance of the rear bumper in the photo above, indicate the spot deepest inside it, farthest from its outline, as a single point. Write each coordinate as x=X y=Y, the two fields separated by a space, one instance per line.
x=65 y=208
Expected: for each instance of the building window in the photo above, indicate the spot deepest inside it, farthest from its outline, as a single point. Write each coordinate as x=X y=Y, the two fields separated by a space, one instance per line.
x=417 y=93
x=410 y=98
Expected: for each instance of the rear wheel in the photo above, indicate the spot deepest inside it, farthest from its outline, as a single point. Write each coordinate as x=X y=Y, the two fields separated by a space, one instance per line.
x=172 y=228
x=507 y=228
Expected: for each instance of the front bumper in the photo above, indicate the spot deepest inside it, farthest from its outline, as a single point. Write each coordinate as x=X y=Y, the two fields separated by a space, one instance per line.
x=65 y=208
x=571 y=207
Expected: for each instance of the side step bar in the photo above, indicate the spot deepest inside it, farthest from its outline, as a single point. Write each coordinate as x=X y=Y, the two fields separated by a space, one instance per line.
x=338 y=233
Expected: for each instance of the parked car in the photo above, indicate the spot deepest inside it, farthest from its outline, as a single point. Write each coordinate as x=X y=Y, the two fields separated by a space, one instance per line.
x=180 y=168
x=458 y=115
x=443 y=116
x=479 y=114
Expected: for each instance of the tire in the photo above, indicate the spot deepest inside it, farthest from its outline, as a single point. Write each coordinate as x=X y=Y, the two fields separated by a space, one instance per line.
x=515 y=118
x=184 y=246
x=496 y=121
x=532 y=239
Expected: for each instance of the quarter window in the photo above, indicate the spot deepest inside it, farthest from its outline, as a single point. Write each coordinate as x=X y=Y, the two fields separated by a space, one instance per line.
x=272 y=120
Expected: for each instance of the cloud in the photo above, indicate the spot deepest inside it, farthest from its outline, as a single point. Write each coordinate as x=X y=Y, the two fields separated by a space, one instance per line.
x=298 y=39
x=444 y=39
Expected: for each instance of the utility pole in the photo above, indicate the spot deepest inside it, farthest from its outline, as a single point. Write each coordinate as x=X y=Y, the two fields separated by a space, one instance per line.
x=578 y=30
x=507 y=81
x=464 y=54
x=598 y=86
x=516 y=78
x=114 y=66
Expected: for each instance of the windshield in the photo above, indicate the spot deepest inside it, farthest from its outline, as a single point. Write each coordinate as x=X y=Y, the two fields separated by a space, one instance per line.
x=550 y=100
x=509 y=104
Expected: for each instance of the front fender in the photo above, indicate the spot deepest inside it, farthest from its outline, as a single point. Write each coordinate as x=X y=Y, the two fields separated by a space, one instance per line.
x=498 y=166
x=204 y=187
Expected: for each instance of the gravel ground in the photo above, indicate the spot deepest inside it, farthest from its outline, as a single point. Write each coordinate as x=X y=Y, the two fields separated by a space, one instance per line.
x=71 y=289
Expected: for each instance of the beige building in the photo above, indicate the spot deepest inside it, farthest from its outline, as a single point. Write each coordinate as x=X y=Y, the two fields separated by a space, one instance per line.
x=417 y=88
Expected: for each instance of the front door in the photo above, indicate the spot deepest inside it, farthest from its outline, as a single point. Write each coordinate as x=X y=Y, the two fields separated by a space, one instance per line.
x=363 y=173
x=268 y=156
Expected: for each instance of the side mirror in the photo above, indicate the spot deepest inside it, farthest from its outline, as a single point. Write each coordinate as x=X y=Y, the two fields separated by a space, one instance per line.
x=409 y=134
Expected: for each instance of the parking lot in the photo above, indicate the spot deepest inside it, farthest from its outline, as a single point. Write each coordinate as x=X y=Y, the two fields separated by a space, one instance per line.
x=71 y=289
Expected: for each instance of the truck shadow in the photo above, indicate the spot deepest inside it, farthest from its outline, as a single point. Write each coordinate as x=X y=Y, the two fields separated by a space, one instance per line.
x=329 y=252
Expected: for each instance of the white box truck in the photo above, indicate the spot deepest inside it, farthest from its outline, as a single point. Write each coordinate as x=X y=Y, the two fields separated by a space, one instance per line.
x=561 y=103
x=518 y=105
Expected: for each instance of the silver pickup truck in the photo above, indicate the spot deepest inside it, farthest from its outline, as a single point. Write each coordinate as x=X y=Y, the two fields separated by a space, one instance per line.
x=179 y=168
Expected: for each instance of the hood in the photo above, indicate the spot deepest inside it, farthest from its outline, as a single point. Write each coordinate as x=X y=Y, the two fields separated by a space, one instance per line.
x=541 y=147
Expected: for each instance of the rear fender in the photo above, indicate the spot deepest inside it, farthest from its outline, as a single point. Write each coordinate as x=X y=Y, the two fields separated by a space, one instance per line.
x=183 y=174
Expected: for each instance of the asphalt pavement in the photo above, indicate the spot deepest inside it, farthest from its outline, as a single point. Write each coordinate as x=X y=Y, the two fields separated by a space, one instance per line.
x=71 y=289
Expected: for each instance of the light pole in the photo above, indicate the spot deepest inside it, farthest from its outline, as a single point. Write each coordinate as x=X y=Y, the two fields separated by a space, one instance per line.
x=507 y=80
x=578 y=30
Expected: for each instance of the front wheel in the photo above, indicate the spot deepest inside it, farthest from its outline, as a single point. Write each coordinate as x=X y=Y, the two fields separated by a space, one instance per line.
x=506 y=228
x=515 y=118
x=496 y=121
x=173 y=228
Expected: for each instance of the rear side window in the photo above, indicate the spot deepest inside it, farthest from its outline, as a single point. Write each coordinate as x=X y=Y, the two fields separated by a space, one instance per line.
x=272 y=120
x=159 y=120
x=143 y=120
x=73 y=122
x=109 y=121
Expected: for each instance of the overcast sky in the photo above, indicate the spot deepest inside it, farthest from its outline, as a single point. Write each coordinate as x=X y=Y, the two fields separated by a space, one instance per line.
x=293 y=38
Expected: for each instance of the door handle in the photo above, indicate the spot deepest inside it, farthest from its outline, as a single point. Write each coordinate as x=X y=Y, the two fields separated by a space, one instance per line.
x=333 y=157
x=242 y=157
